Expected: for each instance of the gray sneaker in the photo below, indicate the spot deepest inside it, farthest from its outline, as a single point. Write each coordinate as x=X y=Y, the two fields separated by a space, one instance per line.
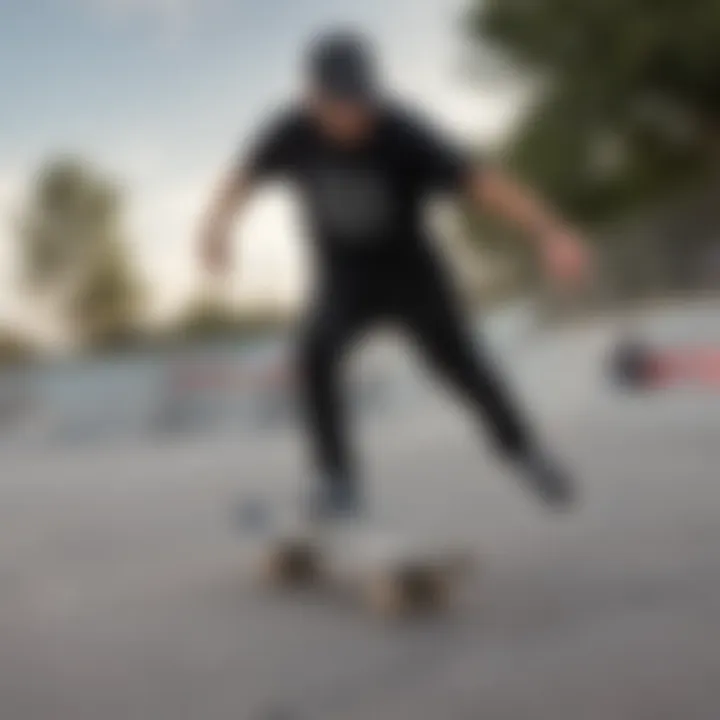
x=335 y=500
x=548 y=480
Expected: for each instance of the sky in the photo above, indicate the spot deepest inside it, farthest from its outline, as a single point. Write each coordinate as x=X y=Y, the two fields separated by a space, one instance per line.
x=163 y=94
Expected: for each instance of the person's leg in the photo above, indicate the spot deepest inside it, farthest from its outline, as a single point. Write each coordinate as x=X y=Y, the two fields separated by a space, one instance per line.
x=329 y=331
x=451 y=351
x=432 y=316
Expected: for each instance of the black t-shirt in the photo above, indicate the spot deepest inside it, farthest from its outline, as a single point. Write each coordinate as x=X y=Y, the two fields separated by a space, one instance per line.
x=363 y=203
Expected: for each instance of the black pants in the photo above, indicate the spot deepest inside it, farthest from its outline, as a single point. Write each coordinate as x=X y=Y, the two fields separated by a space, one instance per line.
x=416 y=297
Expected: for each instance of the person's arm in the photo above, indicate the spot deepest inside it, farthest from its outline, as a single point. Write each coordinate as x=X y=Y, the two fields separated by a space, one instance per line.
x=441 y=166
x=561 y=248
x=269 y=156
x=226 y=203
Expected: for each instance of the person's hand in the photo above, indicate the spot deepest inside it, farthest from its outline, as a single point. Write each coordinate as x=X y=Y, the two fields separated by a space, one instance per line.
x=567 y=258
x=215 y=247
x=215 y=252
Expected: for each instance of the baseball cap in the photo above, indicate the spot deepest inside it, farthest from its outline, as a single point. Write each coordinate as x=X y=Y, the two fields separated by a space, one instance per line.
x=342 y=65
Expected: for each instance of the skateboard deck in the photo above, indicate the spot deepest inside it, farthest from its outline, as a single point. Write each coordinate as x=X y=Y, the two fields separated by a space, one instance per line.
x=390 y=575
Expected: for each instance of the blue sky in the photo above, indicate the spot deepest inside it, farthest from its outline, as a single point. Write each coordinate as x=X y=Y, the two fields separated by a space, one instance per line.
x=161 y=94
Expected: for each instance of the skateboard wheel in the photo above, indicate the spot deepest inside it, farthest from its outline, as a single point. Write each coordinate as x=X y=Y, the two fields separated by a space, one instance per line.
x=408 y=592
x=289 y=565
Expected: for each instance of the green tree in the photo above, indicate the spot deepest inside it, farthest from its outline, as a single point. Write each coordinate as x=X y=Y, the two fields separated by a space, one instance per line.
x=74 y=253
x=628 y=101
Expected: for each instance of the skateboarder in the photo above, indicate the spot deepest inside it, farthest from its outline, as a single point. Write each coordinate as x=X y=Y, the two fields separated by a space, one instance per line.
x=365 y=167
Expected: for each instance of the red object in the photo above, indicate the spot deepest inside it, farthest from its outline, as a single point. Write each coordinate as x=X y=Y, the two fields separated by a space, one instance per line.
x=699 y=366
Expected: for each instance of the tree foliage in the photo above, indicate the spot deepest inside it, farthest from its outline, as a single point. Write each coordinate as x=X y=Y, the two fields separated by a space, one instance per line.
x=73 y=251
x=628 y=101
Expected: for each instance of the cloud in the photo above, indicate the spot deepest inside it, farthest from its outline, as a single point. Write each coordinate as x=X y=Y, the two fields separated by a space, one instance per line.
x=165 y=10
x=152 y=6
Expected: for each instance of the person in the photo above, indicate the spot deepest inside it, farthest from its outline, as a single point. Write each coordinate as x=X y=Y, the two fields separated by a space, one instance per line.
x=365 y=166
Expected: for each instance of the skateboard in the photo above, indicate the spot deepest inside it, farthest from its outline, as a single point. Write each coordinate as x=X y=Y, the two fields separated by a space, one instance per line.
x=390 y=575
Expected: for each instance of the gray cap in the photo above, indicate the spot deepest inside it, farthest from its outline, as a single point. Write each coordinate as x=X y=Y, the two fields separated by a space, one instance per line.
x=342 y=65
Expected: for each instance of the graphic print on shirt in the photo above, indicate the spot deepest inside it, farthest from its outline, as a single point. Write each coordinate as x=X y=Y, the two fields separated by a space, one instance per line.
x=352 y=205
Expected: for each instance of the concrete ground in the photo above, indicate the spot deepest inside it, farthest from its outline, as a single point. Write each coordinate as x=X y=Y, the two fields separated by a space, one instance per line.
x=123 y=595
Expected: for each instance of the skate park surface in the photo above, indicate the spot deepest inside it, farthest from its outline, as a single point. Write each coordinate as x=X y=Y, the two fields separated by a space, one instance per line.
x=123 y=594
